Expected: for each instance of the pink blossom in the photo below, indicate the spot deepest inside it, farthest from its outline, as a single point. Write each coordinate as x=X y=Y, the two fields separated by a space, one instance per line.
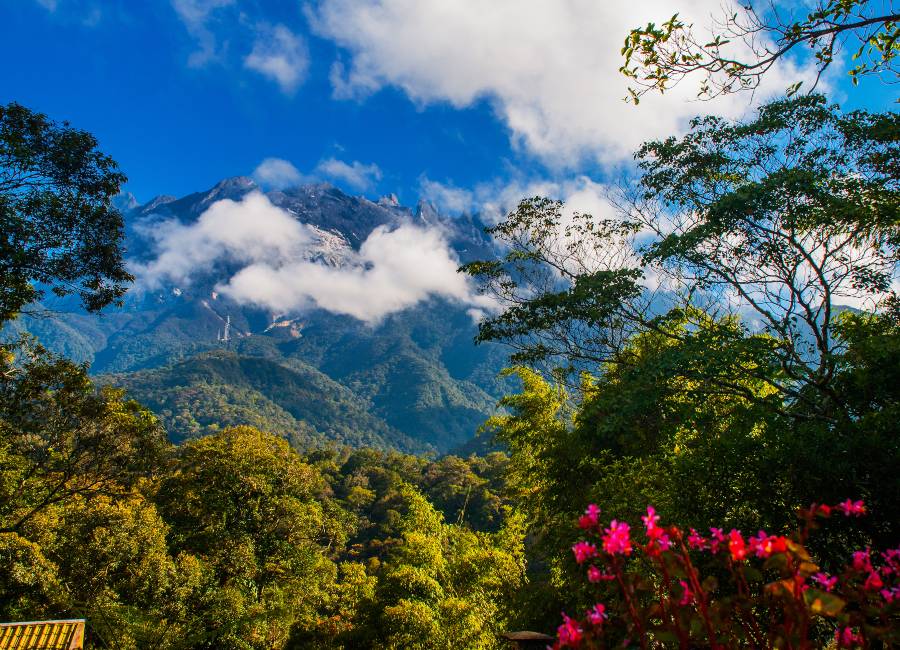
x=696 y=542
x=597 y=615
x=737 y=546
x=569 y=633
x=854 y=508
x=847 y=638
x=892 y=561
x=873 y=582
x=584 y=551
x=650 y=519
x=824 y=581
x=717 y=539
x=764 y=545
x=617 y=539
x=862 y=561
x=687 y=597
x=890 y=595
x=590 y=517
x=596 y=575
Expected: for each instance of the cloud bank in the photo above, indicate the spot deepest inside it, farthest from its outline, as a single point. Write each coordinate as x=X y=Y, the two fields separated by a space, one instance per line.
x=549 y=68
x=394 y=269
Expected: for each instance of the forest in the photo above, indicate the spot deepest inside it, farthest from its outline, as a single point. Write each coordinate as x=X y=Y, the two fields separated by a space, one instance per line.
x=721 y=354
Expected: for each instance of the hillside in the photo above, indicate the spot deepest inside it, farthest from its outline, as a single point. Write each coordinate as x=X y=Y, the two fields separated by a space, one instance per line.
x=413 y=381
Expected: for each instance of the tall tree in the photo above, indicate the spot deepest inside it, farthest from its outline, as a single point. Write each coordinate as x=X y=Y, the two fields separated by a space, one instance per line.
x=57 y=227
x=783 y=217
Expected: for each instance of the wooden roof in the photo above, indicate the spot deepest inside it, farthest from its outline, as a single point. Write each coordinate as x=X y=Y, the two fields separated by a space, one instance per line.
x=43 y=635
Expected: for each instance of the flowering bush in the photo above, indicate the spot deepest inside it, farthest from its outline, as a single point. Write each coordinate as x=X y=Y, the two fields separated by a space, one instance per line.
x=760 y=591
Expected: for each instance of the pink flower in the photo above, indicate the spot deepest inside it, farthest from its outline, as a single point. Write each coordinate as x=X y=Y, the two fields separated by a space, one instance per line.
x=687 y=597
x=584 y=551
x=890 y=595
x=659 y=540
x=596 y=575
x=764 y=545
x=823 y=510
x=873 y=582
x=617 y=539
x=590 y=517
x=847 y=638
x=717 y=539
x=891 y=561
x=862 y=561
x=650 y=519
x=852 y=508
x=824 y=581
x=569 y=633
x=737 y=546
x=696 y=542
x=597 y=615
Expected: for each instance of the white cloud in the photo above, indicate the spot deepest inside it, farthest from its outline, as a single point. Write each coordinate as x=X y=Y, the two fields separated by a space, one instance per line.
x=196 y=14
x=49 y=5
x=446 y=197
x=245 y=231
x=356 y=175
x=548 y=67
x=280 y=55
x=494 y=199
x=395 y=268
x=277 y=173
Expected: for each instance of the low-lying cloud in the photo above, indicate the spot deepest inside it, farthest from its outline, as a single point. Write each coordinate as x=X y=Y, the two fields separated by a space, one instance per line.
x=394 y=269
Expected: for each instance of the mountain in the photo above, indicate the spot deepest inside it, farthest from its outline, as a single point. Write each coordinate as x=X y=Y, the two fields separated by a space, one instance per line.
x=414 y=382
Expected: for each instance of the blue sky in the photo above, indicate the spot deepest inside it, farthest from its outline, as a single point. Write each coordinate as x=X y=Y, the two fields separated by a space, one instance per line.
x=461 y=102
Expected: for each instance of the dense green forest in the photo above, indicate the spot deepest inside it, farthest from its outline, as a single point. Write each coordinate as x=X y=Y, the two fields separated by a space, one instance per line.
x=726 y=349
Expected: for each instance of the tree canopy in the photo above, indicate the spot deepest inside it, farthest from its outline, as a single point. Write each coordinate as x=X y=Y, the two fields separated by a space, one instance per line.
x=58 y=230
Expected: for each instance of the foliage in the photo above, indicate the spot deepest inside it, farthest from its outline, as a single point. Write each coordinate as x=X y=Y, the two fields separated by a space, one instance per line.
x=727 y=590
x=57 y=227
x=60 y=438
x=746 y=42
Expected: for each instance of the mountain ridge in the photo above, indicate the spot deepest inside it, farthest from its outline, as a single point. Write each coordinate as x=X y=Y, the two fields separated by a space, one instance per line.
x=414 y=381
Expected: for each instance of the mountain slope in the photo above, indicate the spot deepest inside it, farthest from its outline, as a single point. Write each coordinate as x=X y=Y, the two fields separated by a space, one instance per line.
x=221 y=388
x=414 y=381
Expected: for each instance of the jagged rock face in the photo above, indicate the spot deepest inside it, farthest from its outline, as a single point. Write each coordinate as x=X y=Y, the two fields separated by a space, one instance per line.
x=418 y=380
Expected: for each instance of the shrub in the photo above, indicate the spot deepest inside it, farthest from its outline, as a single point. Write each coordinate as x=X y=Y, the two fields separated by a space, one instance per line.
x=726 y=590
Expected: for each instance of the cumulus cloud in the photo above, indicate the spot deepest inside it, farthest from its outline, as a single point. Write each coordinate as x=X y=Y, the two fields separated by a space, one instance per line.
x=549 y=68
x=240 y=231
x=394 y=269
x=356 y=175
x=279 y=55
x=196 y=15
x=277 y=173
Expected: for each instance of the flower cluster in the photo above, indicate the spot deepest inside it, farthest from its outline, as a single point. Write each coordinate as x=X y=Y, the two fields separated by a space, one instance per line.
x=771 y=576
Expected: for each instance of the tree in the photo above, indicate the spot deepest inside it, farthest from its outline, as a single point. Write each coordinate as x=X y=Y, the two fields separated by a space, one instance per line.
x=746 y=42
x=60 y=438
x=782 y=218
x=246 y=504
x=57 y=227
